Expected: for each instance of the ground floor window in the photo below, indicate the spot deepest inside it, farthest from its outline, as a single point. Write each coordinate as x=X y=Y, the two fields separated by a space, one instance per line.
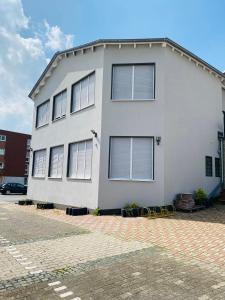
x=217 y=167
x=56 y=162
x=39 y=163
x=131 y=158
x=80 y=157
x=208 y=166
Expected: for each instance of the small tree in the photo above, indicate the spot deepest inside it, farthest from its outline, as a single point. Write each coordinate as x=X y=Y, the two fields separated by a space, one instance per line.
x=200 y=196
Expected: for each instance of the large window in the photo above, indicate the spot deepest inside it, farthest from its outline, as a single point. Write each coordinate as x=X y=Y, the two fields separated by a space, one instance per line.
x=59 y=105
x=133 y=82
x=56 y=162
x=208 y=166
x=39 y=163
x=2 y=151
x=217 y=167
x=80 y=157
x=42 y=117
x=131 y=158
x=83 y=93
x=2 y=138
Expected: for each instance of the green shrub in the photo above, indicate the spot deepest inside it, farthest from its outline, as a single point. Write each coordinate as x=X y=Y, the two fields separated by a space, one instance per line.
x=200 y=196
x=131 y=205
x=96 y=212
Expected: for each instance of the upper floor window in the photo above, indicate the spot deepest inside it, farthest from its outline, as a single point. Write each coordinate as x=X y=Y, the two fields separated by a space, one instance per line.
x=1 y=165
x=80 y=156
x=39 y=163
x=208 y=166
x=133 y=82
x=59 y=105
x=131 y=158
x=56 y=162
x=2 y=138
x=83 y=93
x=42 y=117
x=2 y=151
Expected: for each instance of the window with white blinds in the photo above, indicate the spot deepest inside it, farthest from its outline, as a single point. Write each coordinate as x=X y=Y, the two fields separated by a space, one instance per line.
x=80 y=158
x=131 y=158
x=59 y=105
x=2 y=151
x=83 y=93
x=39 y=163
x=133 y=82
x=56 y=162
x=42 y=116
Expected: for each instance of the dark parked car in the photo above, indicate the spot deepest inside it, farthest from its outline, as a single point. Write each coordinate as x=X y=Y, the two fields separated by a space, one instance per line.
x=16 y=188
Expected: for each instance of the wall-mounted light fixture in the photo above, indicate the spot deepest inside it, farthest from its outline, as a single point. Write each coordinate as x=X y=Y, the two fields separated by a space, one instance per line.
x=94 y=132
x=158 y=140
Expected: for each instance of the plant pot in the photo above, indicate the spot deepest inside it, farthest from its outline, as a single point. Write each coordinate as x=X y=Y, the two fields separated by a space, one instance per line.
x=79 y=211
x=130 y=212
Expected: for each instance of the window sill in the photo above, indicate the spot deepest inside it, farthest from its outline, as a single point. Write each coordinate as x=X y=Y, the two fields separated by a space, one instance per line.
x=37 y=177
x=82 y=109
x=55 y=120
x=132 y=180
x=133 y=100
x=79 y=179
x=55 y=178
x=41 y=126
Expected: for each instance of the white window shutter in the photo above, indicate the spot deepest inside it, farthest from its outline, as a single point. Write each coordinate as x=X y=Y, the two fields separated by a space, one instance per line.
x=56 y=163
x=81 y=160
x=73 y=161
x=122 y=82
x=142 y=158
x=88 y=159
x=63 y=103
x=43 y=114
x=84 y=93
x=39 y=163
x=76 y=97
x=143 y=82
x=91 y=89
x=120 y=158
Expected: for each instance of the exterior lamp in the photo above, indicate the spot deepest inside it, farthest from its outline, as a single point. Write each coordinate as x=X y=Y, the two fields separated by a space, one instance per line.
x=158 y=140
x=94 y=132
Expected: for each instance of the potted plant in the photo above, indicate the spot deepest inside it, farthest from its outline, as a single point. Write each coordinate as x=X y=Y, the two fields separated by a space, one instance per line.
x=131 y=210
x=201 y=197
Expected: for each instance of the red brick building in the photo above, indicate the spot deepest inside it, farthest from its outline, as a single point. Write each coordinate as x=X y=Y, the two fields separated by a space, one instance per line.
x=14 y=156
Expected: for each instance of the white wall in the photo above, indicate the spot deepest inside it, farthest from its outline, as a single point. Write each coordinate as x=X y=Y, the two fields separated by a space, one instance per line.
x=74 y=127
x=10 y=179
x=132 y=118
x=193 y=117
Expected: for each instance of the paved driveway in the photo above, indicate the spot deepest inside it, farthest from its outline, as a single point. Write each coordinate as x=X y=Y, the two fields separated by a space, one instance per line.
x=48 y=255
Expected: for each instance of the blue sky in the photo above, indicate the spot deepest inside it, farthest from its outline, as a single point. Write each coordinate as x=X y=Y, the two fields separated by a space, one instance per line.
x=31 y=31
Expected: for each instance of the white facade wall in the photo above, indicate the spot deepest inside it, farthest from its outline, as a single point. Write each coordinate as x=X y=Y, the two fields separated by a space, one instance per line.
x=186 y=114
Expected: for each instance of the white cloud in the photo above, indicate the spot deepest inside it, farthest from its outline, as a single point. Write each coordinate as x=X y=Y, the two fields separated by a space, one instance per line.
x=56 y=39
x=22 y=59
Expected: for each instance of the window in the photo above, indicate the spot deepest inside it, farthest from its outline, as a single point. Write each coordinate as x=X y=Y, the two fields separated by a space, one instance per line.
x=131 y=158
x=28 y=143
x=217 y=167
x=39 y=163
x=80 y=156
x=208 y=166
x=2 y=138
x=1 y=165
x=56 y=162
x=59 y=105
x=133 y=82
x=2 y=151
x=42 y=114
x=83 y=93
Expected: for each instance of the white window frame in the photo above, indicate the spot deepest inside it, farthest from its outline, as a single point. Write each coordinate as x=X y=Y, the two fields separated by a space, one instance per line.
x=50 y=164
x=33 y=167
x=131 y=159
x=2 y=138
x=68 y=162
x=79 y=83
x=47 y=102
x=2 y=165
x=62 y=115
x=2 y=151
x=132 y=91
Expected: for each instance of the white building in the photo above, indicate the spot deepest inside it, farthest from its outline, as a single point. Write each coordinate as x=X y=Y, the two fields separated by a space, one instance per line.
x=117 y=121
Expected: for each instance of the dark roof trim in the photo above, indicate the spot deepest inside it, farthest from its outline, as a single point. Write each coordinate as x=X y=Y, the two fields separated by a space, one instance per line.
x=124 y=41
